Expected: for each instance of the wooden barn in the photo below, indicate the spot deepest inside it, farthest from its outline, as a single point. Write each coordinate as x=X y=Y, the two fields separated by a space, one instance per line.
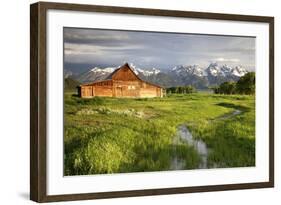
x=122 y=82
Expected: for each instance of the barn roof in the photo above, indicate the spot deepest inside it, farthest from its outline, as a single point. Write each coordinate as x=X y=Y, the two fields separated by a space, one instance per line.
x=99 y=81
x=122 y=67
x=109 y=77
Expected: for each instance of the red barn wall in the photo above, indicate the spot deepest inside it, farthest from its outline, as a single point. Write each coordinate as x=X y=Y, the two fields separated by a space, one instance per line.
x=133 y=89
x=104 y=91
x=97 y=89
x=86 y=91
x=148 y=91
x=126 y=88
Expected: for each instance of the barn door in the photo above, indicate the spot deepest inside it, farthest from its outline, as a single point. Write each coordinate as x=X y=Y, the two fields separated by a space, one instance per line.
x=89 y=91
x=119 y=92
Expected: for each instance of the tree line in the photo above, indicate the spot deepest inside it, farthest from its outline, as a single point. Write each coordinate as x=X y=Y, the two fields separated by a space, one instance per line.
x=245 y=85
x=181 y=90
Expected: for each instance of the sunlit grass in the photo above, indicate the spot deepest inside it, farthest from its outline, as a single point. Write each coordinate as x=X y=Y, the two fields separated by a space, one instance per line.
x=111 y=135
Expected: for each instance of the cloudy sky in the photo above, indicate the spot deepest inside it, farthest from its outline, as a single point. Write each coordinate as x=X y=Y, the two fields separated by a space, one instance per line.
x=151 y=49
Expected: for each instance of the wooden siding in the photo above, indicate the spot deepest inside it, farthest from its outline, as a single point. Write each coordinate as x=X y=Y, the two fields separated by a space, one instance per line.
x=87 y=91
x=103 y=91
x=126 y=88
x=151 y=92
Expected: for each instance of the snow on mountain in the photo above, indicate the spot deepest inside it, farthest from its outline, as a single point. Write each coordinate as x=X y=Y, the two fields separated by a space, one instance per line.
x=95 y=74
x=225 y=71
x=145 y=72
x=214 y=70
x=200 y=77
x=134 y=68
x=239 y=71
x=184 y=70
x=102 y=70
x=150 y=72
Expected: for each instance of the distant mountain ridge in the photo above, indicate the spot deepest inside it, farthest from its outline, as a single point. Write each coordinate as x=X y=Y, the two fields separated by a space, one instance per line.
x=180 y=75
x=95 y=74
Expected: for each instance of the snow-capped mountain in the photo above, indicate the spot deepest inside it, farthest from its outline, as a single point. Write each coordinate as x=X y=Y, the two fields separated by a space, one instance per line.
x=215 y=70
x=180 y=75
x=200 y=77
x=144 y=72
x=221 y=73
x=95 y=74
x=183 y=70
x=239 y=71
x=193 y=75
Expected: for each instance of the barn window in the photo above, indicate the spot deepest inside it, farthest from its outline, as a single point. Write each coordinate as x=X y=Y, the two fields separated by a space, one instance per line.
x=131 y=87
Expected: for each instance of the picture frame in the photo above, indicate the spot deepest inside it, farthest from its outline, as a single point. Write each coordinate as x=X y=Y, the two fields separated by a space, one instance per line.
x=39 y=104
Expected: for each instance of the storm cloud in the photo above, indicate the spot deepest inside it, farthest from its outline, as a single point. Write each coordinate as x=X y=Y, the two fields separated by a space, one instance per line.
x=154 y=49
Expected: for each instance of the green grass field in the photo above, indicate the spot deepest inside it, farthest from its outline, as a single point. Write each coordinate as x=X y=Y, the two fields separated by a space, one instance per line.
x=111 y=135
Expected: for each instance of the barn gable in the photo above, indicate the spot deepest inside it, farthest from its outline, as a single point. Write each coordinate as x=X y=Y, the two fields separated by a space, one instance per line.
x=124 y=73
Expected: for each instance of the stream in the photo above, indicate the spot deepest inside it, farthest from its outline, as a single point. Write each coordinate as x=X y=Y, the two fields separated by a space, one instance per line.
x=184 y=135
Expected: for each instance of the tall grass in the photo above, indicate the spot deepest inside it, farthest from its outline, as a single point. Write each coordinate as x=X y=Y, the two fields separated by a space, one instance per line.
x=110 y=135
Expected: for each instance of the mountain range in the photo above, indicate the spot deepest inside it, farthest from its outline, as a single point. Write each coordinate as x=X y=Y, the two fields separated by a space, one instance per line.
x=180 y=75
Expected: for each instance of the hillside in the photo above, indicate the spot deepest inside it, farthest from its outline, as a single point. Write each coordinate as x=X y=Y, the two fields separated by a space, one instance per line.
x=70 y=84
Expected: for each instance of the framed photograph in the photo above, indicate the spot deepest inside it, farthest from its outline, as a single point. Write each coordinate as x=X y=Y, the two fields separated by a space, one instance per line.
x=134 y=102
